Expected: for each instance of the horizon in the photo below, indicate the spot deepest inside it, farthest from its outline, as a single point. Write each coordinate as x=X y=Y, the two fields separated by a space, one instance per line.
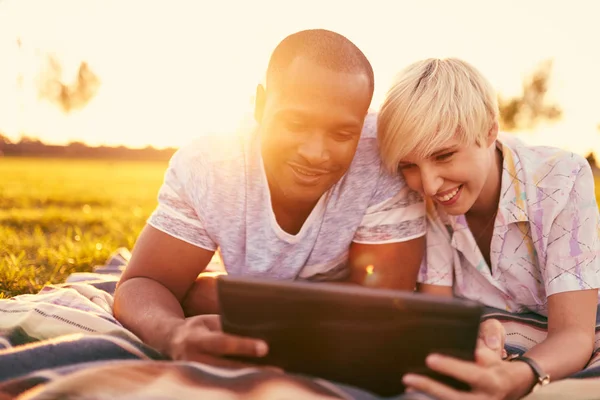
x=161 y=85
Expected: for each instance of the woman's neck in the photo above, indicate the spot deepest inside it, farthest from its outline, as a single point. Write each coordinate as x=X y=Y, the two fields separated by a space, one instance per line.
x=489 y=198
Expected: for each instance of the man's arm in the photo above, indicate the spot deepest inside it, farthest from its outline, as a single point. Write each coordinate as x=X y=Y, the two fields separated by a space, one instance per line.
x=389 y=244
x=389 y=265
x=148 y=302
x=149 y=295
x=436 y=290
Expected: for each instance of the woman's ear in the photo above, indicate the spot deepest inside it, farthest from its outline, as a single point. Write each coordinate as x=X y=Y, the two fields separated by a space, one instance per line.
x=259 y=103
x=492 y=134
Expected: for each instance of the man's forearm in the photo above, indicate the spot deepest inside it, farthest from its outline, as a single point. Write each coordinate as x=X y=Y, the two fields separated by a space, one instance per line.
x=149 y=310
x=202 y=297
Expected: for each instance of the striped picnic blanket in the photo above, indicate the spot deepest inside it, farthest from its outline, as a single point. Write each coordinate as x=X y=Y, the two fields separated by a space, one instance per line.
x=64 y=342
x=523 y=331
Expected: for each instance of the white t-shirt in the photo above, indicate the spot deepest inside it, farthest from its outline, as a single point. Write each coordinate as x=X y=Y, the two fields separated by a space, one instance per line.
x=215 y=195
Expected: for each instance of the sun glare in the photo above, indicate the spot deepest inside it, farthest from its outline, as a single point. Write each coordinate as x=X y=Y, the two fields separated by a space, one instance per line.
x=173 y=71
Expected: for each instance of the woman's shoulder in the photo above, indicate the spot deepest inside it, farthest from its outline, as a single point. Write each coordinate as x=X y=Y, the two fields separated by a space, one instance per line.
x=540 y=165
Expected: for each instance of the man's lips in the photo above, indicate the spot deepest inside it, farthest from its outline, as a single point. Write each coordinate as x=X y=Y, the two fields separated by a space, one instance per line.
x=308 y=171
x=307 y=176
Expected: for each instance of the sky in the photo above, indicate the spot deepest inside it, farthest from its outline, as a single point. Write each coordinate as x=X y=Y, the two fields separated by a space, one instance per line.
x=172 y=71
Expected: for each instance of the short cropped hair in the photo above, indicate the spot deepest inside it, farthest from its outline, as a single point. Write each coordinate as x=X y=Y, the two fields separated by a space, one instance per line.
x=325 y=48
x=431 y=102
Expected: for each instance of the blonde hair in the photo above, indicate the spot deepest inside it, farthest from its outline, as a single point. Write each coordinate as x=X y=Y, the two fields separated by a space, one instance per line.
x=431 y=102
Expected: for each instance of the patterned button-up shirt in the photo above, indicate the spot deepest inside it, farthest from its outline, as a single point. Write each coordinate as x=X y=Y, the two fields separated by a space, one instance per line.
x=545 y=239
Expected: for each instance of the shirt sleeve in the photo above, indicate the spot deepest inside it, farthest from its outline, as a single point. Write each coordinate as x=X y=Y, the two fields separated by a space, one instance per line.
x=572 y=261
x=437 y=267
x=395 y=213
x=177 y=213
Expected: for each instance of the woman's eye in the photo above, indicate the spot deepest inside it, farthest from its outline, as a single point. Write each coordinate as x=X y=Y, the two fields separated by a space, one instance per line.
x=403 y=167
x=445 y=157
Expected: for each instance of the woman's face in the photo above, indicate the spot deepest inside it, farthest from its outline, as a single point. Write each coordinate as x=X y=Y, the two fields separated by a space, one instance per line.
x=453 y=175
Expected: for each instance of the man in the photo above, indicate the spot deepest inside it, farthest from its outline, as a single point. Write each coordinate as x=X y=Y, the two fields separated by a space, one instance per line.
x=303 y=196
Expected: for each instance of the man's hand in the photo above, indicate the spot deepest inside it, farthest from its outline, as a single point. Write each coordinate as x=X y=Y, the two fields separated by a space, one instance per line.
x=493 y=336
x=201 y=339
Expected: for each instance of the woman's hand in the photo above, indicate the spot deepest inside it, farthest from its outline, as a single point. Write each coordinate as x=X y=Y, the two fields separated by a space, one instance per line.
x=493 y=336
x=489 y=377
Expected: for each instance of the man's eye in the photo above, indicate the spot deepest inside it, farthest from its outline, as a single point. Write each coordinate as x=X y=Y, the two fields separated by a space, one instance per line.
x=295 y=126
x=342 y=136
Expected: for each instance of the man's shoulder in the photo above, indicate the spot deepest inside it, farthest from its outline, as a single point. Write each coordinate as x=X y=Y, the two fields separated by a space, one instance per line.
x=367 y=158
x=367 y=184
x=369 y=130
x=213 y=148
x=211 y=158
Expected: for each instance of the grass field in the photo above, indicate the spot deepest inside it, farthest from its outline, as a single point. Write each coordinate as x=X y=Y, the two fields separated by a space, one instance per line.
x=62 y=216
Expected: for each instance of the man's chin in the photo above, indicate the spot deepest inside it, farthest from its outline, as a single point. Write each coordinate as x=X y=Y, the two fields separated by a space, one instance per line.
x=304 y=197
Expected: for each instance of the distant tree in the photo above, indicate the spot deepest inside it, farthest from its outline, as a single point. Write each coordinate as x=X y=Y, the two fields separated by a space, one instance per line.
x=528 y=109
x=30 y=140
x=4 y=140
x=68 y=96
x=591 y=159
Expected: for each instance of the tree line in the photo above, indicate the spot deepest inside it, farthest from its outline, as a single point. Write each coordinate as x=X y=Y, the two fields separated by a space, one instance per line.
x=31 y=147
x=521 y=112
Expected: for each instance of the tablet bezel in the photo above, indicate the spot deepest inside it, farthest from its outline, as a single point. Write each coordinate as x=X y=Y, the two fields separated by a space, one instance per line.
x=310 y=306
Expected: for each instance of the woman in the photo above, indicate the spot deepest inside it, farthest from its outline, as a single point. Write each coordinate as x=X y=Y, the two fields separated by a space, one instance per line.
x=512 y=226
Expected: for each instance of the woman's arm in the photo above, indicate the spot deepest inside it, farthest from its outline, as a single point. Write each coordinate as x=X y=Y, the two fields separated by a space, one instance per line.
x=569 y=271
x=570 y=341
x=567 y=349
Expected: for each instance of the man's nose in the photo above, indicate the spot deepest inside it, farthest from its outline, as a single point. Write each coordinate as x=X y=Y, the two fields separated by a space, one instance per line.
x=314 y=148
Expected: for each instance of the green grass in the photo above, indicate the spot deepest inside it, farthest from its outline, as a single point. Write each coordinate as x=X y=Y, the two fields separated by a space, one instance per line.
x=59 y=216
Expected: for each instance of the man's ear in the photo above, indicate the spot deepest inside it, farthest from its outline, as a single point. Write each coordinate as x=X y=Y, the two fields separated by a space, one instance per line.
x=259 y=103
x=492 y=134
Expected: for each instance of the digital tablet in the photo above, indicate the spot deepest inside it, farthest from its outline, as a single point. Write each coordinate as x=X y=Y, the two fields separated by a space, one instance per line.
x=368 y=338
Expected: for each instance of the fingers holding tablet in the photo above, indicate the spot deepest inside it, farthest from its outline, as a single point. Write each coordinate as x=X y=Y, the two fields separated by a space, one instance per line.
x=202 y=339
x=492 y=336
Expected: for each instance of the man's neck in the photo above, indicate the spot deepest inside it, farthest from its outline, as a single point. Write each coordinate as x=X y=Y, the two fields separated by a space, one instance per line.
x=290 y=217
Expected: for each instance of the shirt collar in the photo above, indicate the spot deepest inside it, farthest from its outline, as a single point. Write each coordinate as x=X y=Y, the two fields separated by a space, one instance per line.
x=513 y=199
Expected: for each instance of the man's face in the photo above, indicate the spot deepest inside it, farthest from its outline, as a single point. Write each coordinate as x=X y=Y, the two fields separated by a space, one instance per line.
x=310 y=126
